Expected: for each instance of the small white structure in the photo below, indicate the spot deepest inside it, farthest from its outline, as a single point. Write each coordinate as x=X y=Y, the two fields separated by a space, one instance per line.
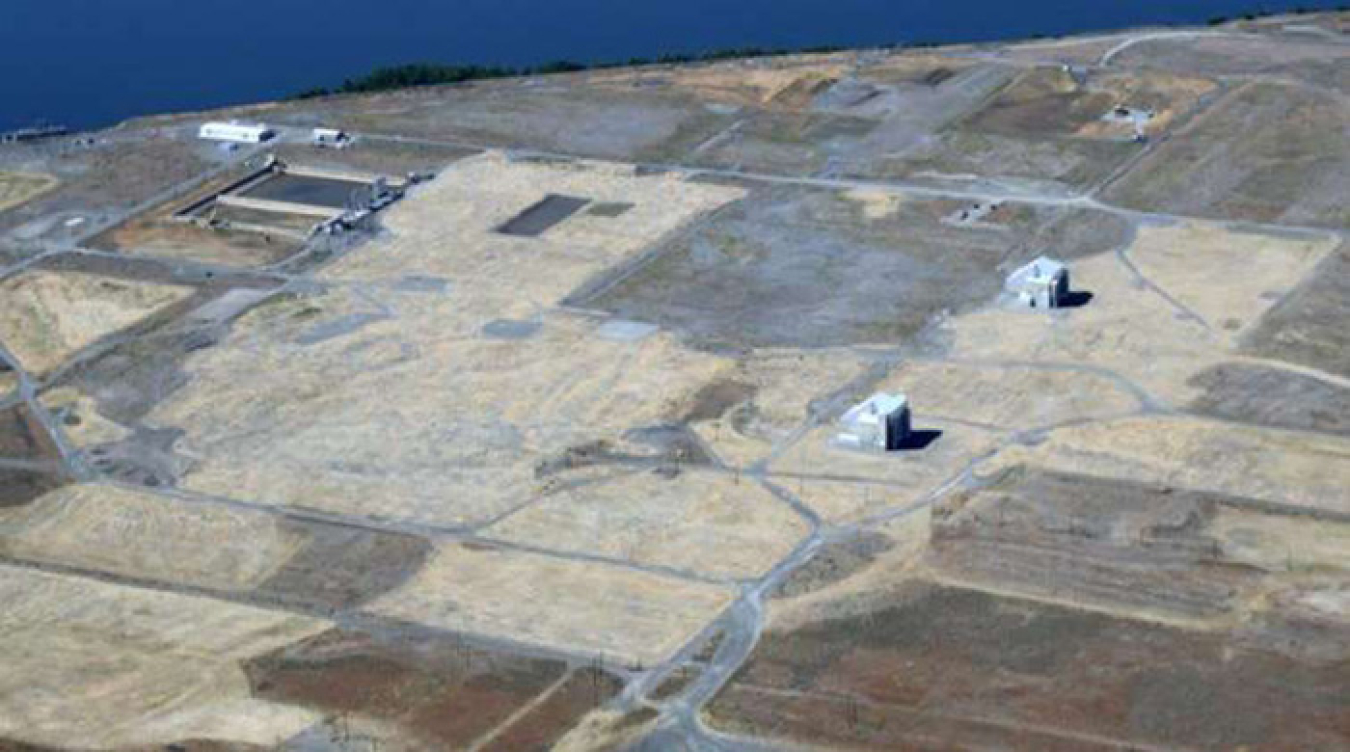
x=1044 y=283
x=330 y=138
x=882 y=422
x=1137 y=118
x=236 y=132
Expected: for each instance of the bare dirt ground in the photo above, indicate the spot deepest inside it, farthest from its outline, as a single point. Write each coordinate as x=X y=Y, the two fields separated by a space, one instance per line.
x=17 y=188
x=480 y=475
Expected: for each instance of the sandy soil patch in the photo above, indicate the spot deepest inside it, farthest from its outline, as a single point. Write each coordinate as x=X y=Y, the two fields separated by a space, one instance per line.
x=45 y=317
x=94 y=665
x=141 y=535
x=711 y=523
x=621 y=614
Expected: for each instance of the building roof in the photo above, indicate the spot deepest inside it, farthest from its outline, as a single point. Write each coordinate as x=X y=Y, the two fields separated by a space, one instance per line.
x=876 y=406
x=1042 y=270
x=235 y=126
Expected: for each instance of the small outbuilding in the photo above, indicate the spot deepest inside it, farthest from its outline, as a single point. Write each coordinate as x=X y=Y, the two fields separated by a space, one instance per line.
x=882 y=422
x=236 y=132
x=330 y=138
x=1043 y=283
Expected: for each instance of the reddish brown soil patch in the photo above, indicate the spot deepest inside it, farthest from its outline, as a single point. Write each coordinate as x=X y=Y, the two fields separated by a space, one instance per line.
x=23 y=437
x=19 y=487
x=537 y=731
x=433 y=689
x=952 y=669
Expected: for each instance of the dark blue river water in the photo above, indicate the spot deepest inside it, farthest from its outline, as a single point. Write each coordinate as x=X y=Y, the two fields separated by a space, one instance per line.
x=94 y=62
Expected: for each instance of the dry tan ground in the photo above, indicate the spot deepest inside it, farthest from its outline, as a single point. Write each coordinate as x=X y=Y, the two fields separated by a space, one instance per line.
x=82 y=424
x=814 y=467
x=126 y=532
x=378 y=401
x=90 y=665
x=1139 y=328
x=45 y=317
x=1013 y=398
x=166 y=238
x=18 y=187
x=788 y=83
x=906 y=539
x=773 y=392
x=913 y=67
x=1169 y=97
x=414 y=417
x=1279 y=544
x=1303 y=470
x=446 y=228
x=606 y=731
x=433 y=378
x=698 y=521
x=622 y=614
x=1046 y=101
x=1230 y=279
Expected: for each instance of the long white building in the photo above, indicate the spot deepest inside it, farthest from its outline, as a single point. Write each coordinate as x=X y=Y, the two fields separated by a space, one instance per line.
x=243 y=133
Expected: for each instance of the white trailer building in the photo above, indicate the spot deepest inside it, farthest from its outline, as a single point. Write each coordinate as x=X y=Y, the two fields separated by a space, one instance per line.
x=882 y=422
x=1044 y=283
x=236 y=132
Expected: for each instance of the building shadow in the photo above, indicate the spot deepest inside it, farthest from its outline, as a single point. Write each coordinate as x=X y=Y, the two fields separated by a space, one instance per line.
x=1076 y=299
x=917 y=440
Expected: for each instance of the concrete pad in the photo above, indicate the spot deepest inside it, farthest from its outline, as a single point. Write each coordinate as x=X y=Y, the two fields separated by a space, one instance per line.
x=141 y=535
x=710 y=523
x=45 y=317
x=1306 y=471
x=621 y=614
x=94 y=665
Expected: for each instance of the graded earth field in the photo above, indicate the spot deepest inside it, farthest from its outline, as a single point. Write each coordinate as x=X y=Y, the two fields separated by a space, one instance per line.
x=546 y=454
